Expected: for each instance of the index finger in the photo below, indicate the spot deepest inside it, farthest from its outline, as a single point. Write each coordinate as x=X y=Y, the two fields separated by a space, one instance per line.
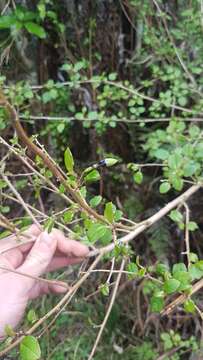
x=69 y=247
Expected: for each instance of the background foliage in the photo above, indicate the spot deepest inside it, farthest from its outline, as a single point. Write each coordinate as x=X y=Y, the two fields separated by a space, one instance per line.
x=123 y=80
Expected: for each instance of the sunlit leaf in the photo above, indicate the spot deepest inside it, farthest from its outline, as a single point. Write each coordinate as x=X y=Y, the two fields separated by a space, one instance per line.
x=30 y=349
x=35 y=29
x=68 y=160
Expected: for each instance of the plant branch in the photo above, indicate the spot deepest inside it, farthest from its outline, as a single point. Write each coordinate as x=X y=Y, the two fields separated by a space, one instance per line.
x=46 y=159
x=50 y=282
x=108 y=311
x=140 y=227
x=19 y=197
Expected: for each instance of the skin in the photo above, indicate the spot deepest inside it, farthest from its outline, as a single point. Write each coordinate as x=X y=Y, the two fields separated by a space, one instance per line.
x=48 y=252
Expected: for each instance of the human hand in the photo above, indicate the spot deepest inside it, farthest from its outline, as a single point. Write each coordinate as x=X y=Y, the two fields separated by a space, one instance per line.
x=48 y=252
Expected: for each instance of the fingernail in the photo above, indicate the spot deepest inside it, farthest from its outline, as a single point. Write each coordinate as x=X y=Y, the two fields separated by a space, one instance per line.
x=46 y=237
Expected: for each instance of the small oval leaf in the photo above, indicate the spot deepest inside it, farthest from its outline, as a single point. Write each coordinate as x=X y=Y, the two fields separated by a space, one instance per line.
x=35 y=29
x=30 y=349
x=164 y=187
x=68 y=160
x=94 y=175
x=109 y=212
x=171 y=285
x=138 y=177
x=95 y=201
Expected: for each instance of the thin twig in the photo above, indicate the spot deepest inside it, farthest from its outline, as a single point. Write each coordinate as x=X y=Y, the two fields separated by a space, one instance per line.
x=19 y=197
x=149 y=222
x=168 y=353
x=108 y=311
x=125 y=120
x=187 y=239
x=189 y=75
x=140 y=227
x=111 y=270
x=181 y=298
x=121 y=86
x=50 y=282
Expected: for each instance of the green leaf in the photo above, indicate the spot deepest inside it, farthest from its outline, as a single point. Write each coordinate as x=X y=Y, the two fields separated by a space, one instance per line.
x=60 y=128
x=62 y=189
x=35 y=29
x=48 y=225
x=171 y=285
x=7 y=21
x=142 y=272
x=199 y=264
x=20 y=12
x=161 y=154
x=189 y=306
x=104 y=289
x=156 y=304
x=4 y=209
x=179 y=267
x=68 y=159
x=190 y=168
x=79 y=66
x=42 y=10
x=133 y=268
x=118 y=215
x=31 y=316
x=94 y=175
x=71 y=180
x=96 y=231
x=109 y=212
x=68 y=216
x=184 y=278
x=174 y=161
x=3 y=184
x=95 y=201
x=83 y=191
x=182 y=100
x=193 y=257
x=93 y=115
x=138 y=177
x=112 y=76
x=106 y=238
x=161 y=269
x=133 y=167
x=30 y=349
x=176 y=216
x=8 y=331
x=168 y=343
x=110 y=161
x=194 y=131
x=177 y=183
x=164 y=187
x=195 y=272
x=192 y=226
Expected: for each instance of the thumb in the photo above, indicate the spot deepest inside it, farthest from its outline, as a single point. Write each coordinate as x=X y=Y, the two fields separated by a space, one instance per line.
x=38 y=258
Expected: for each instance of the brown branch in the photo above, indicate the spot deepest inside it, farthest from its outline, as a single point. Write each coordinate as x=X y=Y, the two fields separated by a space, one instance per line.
x=190 y=76
x=187 y=238
x=46 y=160
x=140 y=227
x=50 y=282
x=19 y=197
x=5 y=223
x=108 y=311
x=181 y=298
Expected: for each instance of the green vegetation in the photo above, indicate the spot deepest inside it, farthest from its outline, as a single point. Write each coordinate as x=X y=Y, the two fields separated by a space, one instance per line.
x=112 y=94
